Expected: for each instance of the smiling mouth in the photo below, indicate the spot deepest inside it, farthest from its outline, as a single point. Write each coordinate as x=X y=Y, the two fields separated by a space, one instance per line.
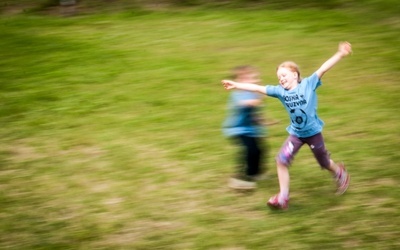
x=285 y=85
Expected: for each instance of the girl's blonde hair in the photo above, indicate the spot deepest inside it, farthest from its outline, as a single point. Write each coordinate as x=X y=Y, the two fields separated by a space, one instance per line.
x=292 y=66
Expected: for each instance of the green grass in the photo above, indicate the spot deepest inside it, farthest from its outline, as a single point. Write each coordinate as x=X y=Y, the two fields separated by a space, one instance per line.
x=110 y=131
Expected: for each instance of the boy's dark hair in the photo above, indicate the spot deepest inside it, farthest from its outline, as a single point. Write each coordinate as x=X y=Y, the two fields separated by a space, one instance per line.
x=242 y=70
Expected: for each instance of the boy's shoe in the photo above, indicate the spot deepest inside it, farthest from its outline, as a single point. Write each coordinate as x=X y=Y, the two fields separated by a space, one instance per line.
x=342 y=180
x=259 y=177
x=274 y=203
x=239 y=184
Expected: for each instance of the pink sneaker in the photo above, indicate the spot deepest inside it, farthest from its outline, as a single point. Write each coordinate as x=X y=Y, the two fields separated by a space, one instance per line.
x=274 y=203
x=342 y=180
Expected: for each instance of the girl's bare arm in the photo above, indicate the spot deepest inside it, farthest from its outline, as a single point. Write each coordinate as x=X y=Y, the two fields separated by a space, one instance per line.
x=343 y=50
x=228 y=84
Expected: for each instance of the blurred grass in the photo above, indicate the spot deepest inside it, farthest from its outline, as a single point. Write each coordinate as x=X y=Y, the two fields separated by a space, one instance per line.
x=110 y=133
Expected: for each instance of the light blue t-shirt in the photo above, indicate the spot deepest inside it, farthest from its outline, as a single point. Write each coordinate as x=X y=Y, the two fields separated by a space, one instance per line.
x=242 y=120
x=301 y=104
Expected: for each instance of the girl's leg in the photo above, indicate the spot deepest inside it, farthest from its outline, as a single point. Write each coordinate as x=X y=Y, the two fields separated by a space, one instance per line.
x=333 y=168
x=284 y=180
x=338 y=171
x=317 y=146
x=283 y=160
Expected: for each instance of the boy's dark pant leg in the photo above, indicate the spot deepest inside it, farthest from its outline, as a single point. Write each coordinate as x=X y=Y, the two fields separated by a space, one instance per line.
x=252 y=154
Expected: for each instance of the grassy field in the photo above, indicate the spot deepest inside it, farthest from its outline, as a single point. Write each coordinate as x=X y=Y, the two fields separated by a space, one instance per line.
x=110 y=130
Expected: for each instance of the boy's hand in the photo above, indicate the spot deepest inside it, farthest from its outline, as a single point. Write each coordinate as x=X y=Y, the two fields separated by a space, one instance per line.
x=228 y=84
x=345 y=48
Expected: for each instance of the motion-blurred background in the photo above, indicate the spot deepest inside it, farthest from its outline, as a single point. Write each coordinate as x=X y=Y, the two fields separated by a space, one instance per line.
x=111 y=116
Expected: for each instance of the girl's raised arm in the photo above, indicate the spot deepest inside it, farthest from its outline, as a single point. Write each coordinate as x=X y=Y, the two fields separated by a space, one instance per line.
x=228 y=84
x=343 y=50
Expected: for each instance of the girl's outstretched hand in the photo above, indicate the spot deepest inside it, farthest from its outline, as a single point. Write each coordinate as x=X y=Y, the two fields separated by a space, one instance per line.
x=228 y=84
x=345 y=48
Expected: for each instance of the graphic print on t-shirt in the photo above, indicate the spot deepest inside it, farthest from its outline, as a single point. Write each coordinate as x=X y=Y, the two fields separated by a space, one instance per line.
x=297 y=114
x=299 y=118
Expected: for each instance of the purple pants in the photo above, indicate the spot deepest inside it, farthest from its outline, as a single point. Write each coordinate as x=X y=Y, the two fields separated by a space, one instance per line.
x=293 y=144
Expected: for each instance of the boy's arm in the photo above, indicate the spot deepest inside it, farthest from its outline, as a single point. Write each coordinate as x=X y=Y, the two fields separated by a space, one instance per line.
x=228 y=84
x=344 y=50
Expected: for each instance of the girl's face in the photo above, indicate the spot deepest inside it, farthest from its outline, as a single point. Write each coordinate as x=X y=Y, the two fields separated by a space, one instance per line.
x=287 y=78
